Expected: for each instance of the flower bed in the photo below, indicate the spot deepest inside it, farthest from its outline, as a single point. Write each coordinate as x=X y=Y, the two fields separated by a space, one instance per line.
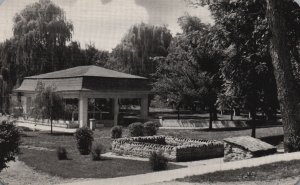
x=174 y=149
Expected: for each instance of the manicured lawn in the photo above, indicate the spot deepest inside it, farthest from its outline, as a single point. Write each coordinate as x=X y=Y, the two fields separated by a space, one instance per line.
x=272 y=135
x=44 y=139
x=279 y=170
x=79 y=166
x=221 y=133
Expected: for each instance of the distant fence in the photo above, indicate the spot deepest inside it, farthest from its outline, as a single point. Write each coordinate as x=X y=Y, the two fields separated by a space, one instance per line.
x=204 y=123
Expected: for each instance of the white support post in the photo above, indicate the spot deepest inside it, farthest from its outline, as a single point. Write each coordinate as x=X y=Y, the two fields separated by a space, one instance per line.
x=83 y=111
x=26 y=104
x=144 y=107
x=116 y=111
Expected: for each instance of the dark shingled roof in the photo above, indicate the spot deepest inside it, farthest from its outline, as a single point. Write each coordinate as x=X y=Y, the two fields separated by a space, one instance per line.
x=249 y=143
x=86 y=78
x=82 y=71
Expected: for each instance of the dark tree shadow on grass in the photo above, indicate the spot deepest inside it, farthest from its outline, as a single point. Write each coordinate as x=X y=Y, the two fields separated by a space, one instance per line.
x=273 y=140
x=59 y=134
x=104 y=159
x=223 y=129
x=26 y=135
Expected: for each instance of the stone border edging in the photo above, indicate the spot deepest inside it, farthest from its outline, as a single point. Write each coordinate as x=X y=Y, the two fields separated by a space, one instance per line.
x=174 y=149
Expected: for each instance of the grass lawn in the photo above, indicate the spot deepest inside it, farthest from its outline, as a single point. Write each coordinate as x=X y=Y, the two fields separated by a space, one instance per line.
x=83 y=167
x=267 y=172
x=79 y=166
x=44 y=139
x=220 y=134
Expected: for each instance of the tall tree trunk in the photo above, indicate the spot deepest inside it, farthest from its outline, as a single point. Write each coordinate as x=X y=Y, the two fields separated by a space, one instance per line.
x=51 y=126
x=253 y=123
x=210 y=117
x=237 y=112
x=178 y=112
x=231 y=114
x=286 y=86
x=214 y=113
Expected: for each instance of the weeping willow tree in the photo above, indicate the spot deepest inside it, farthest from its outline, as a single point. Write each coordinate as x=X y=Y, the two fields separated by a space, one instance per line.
x=138 y=46
x=40 y=32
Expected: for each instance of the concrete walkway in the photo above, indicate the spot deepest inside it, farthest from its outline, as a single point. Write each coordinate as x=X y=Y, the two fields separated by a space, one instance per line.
x=157 y=177
x=286 y=181
x=44 y=127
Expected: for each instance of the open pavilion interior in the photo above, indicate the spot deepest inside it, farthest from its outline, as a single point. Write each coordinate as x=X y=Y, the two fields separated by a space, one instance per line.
x=95 y=91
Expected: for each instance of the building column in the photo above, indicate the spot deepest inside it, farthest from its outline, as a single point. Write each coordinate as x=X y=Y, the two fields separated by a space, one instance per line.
x=83 y=111
x=26 y=104
x=116 y=111
x=144 y=107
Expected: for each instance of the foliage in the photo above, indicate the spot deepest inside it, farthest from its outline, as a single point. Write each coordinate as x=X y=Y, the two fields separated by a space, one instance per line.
x=190 y=72
x=4 y=89
x=41 y=43
x=9 y=143
x=136 y=129
x=94 y=56
x=150 y=128
x=71 y=110
x=97 y=150
x=84 y=138
x=140 y=43
x=61 y=153
x=16 y=108
x=41 y=32
x=244 y=35
x=47 y=104
x=116 y=132
x=158 y=161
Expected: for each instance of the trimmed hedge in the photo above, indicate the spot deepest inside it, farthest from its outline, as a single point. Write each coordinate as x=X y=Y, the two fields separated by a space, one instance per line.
x=158 y=161
x=150 y=128
x=61 y=153
x=97 y=150
x=84 y=137
x=10 y=139
x=136 y=129
x=116 y=132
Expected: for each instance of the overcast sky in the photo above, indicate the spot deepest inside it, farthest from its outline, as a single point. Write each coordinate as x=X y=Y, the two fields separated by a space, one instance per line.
x=104 y=22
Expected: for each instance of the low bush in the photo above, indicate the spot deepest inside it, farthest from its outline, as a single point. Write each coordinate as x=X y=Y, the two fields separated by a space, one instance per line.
x=150 y=128
x=10 y=139
x=116 y=132
x=84 y=138
x=136 y=129
x=97 y=150
x=158 y=161
x=61 y=153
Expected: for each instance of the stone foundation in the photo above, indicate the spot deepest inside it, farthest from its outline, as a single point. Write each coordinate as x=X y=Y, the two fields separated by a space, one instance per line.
x=174 y=149
x=246 y=147
x=234 y=153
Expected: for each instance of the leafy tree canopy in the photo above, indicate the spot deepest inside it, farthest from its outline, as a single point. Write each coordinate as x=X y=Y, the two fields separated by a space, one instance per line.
x=47 y=104
x=190 y=72
x=244 y=35
x=141 y=42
